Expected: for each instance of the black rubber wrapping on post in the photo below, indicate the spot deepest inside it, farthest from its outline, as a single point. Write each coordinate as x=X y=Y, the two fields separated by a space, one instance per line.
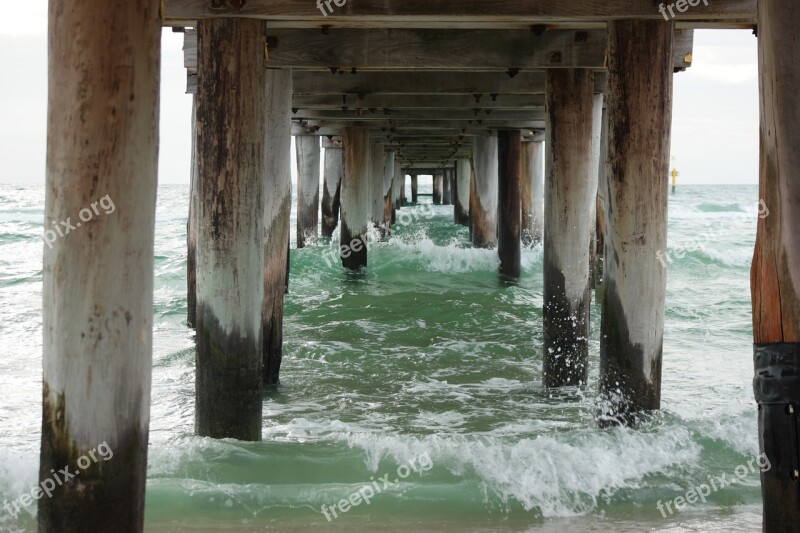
x=777 y=391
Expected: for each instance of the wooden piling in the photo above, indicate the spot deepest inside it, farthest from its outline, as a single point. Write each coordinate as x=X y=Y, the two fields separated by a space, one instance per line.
x=483 y=212
x=278 y=205
x=397 y=184
x=775 y=273
x=600 y=230
x=526 y=193
x=403 y=198
x=463 y=187
x=191 y=229
x=388 y=193
x=594 y=167
x=569 y=197
x=414 y=189
x=537 y=222
x=331 y=188
x=438 y=185
x=377 y=159
x=447 y=187
x=308 y=162
x=356 y=200
x=639 y=122
x=102 y=157
x=231 y=108
x=509 y=155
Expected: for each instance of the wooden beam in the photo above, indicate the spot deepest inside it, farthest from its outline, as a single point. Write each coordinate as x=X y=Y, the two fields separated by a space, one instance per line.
x=442 y=83
x=449 y=13
x=419 y=82
x=409 y=49
x=415 y=127
x=418 y=101
x=344 y=50
x=419 y=114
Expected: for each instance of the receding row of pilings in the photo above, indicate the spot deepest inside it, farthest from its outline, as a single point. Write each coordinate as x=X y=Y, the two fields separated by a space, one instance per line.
x=98 y=280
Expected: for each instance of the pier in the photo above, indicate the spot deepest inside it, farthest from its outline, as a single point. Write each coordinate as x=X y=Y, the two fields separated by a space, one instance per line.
x=541 y=122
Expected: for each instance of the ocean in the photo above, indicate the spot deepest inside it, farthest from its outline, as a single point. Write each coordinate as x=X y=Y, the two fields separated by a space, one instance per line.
x=421 y=379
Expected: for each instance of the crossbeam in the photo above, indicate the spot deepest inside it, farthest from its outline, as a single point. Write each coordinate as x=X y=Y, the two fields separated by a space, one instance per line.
x=457 y=13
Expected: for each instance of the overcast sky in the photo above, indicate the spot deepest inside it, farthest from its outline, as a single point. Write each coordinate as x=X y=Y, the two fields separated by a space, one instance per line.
x=715 y=118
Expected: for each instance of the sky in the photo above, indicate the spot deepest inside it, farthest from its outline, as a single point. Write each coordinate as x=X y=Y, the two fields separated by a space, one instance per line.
x=715 y=108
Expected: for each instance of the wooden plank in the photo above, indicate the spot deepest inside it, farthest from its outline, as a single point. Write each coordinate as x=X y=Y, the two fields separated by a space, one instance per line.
x=446 y=13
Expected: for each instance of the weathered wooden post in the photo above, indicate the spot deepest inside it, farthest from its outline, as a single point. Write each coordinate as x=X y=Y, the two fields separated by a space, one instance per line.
x=602 y=189
x=397 y=184
x=191 y=229
x=597 y=122
x=775 y=275
x=447 y=187
x=388 y=193
x=102 y=150
x=231 y=112
x=308 y=162
x=377 y=159
x=639 y=120
x=332 y=182
x=537 y=223
x=278 y=206
x=483 y=212
x=526 y=192
x=414 y=188
x=356 y=199
x=438 y=179
x=509 y=156
x=403 y=198
x=463 y=187
x=570 y=196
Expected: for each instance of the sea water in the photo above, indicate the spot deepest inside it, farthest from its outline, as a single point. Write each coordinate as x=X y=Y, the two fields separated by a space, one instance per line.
x=426 y=355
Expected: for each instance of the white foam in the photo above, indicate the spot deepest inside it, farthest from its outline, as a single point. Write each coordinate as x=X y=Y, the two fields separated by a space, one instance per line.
x=560 y=476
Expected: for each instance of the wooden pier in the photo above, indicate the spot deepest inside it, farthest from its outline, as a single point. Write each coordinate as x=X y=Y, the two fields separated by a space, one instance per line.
x=465 y=91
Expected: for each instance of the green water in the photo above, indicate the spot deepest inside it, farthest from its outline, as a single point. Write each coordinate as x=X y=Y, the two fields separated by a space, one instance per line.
x=426 y=356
